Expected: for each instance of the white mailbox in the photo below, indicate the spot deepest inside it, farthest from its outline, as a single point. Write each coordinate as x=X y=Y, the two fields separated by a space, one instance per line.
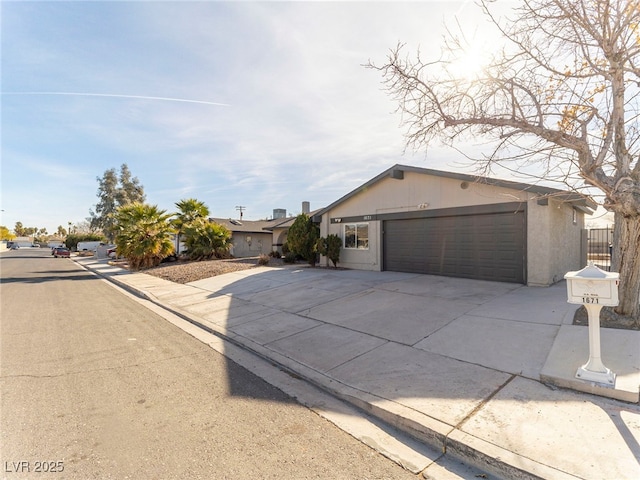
x=592 y=285
x=594 y=288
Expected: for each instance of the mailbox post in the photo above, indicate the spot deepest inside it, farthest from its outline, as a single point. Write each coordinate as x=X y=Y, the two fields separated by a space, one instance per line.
x=594 y=288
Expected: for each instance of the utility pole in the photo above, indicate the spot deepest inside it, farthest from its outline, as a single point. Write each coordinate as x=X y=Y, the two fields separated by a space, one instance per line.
x=241 y=209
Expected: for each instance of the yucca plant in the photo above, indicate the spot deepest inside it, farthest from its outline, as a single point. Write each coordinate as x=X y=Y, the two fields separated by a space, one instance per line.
x=143 y=235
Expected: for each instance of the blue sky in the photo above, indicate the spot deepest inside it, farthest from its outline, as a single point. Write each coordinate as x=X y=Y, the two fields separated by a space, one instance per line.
x=280 y=109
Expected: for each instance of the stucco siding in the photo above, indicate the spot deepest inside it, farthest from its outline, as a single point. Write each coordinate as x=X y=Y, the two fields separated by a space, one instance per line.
x=566 y=238
x=251 y=244
x=417 y=191
x=553 y=242
x=539 y=244
x=359 y=259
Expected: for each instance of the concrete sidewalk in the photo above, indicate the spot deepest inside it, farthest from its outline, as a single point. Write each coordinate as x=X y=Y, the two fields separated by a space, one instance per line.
x=455 y=363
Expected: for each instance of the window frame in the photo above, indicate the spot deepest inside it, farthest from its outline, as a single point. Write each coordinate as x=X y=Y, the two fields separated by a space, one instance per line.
x=364 y=226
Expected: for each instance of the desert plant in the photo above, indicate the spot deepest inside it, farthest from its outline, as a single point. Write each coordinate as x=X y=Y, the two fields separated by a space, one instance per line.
x=205 y=240
x=143 y=234
x=189 y=210
x=263 y=259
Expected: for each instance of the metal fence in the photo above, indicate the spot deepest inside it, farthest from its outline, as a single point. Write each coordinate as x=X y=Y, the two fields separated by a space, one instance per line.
x=599 y=241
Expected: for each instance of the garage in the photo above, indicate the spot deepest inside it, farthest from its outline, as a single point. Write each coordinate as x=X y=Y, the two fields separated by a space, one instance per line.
x=467 y=243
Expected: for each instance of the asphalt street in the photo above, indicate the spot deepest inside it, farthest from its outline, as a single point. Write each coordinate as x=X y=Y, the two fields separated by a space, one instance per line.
x=94 y=385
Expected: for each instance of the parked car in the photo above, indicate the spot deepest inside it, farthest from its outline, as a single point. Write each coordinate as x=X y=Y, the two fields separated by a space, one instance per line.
x=61 y=252
x=111 y=252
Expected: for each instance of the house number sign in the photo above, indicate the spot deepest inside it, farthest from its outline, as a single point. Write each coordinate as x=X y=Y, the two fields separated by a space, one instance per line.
x=590 y=291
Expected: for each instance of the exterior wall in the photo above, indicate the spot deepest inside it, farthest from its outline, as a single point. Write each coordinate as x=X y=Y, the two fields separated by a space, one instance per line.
x=279 y=238
x=418 y=191
x=553 y=239
x=370 y=259
x=251 y=244
x=554 y=242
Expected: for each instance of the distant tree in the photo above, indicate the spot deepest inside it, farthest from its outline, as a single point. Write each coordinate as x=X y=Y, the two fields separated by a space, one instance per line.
x=130 y=191
x=103 y=217
x=330 y=248
x=85 y=226
x=205 y=240
x=189 y=210
x=114 y=192
x=144 y=234
x=302 y=238
x=19 y=230
x=5 y=234
x=561 y=95
x=61 y=232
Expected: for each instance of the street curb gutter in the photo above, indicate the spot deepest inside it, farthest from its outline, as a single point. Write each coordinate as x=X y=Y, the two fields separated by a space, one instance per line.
x=445 y=438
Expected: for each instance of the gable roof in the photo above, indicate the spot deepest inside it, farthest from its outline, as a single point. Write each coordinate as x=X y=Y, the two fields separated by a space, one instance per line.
x=247 y=226
x=579 y=201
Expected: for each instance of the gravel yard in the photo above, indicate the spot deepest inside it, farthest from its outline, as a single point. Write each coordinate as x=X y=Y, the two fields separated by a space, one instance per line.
x=187 y=271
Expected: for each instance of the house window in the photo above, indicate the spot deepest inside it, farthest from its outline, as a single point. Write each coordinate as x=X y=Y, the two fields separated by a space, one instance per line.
x=356 y=235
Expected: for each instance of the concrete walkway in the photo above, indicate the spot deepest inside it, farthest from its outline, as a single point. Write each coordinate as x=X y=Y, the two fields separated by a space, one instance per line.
x=455 y=363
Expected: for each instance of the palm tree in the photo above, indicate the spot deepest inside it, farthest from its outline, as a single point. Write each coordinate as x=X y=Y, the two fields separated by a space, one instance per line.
x=189 y=211
x=143 y=234
x=206 y=240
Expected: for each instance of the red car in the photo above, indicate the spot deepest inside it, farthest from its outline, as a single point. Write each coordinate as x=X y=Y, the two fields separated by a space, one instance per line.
x=61 y=252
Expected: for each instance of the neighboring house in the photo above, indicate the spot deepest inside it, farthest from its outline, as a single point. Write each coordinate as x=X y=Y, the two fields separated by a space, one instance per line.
x=410 y=219
x=23 y=241
x=249 y=238
x=55 y=242
x=280 y=228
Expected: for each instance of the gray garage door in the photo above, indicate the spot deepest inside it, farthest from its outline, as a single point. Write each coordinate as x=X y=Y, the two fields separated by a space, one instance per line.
x=485 y=247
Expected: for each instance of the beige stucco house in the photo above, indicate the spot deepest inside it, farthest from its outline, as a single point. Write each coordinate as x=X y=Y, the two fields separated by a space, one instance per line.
x=411 y=219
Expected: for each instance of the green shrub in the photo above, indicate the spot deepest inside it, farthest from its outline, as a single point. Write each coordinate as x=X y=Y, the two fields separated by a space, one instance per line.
x=72 y=240
x=275 y=254
x=330 y=248
x=290 y=257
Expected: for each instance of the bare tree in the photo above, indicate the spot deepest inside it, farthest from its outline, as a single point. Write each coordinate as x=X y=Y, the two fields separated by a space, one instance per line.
x=561 y=95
